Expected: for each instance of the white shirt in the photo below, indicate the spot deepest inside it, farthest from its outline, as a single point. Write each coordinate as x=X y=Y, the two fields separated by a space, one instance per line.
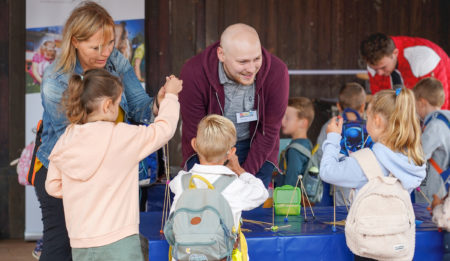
x=246 y=192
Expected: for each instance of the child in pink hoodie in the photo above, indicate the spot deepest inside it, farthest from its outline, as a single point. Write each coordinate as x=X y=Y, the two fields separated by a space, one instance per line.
x=94 y=165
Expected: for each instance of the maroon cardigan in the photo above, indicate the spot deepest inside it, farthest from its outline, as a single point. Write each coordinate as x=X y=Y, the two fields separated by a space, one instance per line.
x=203 y=94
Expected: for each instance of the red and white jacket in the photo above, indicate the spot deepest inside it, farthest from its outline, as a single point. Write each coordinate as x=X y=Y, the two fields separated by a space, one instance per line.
x=418 y=58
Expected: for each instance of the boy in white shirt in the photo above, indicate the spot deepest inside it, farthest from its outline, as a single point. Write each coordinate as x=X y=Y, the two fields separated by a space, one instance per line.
x=214 y=144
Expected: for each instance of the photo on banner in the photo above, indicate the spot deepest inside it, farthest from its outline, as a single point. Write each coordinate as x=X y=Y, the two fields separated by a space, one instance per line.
x=43 y=45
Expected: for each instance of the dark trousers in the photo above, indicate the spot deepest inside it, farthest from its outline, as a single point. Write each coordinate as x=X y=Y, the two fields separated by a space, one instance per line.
x=242 y=148
x=56 y=245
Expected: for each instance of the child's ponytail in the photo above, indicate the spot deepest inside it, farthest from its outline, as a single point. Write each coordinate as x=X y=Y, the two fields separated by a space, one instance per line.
x=76 y=111
x=403 y=131
x=83 y=93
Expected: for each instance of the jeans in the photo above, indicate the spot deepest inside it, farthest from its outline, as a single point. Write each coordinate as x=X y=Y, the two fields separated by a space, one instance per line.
x=242 y=148
x=56 y=245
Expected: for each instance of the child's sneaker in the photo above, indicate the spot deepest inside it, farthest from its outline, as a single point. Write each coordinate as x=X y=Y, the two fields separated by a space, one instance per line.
x=38 y=249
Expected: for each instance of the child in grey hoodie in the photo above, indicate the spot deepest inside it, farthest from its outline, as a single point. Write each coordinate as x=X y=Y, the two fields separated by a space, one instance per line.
x=430 y=97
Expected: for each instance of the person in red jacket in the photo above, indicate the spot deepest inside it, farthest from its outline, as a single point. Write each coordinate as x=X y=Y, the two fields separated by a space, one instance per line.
x=239 y=79
x=403 y=61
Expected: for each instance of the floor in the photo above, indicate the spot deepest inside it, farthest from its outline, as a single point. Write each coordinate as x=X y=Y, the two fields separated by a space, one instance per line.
x=16 y=250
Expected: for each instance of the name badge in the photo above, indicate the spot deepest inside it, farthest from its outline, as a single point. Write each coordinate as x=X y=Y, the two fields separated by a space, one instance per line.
x=246 y=116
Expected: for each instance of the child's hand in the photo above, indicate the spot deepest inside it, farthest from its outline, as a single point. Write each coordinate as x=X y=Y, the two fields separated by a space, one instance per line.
x=335 y=125
x=233 y=163
x=436 y=201
x=173 y=85
x=157 y=100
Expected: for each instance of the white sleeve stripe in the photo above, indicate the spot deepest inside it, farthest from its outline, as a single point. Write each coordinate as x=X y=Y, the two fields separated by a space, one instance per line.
x=422 y=59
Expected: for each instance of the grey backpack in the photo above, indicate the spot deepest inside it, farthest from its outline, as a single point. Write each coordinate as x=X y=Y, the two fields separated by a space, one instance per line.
x=201 y=227
x=311 y=180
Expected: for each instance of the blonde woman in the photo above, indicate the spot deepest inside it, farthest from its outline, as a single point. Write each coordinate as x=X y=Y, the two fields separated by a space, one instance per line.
x=87 y=43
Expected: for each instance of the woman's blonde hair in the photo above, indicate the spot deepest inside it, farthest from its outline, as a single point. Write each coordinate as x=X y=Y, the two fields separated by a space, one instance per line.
x=402 y=133
x=84 y=21
x=84 y=91
x=216 y=135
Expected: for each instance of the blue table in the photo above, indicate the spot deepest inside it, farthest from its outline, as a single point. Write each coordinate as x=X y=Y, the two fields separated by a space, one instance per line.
x=310 y=240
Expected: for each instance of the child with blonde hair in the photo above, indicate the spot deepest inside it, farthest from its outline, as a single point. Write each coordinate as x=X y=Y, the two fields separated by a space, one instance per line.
x=41 y=59
x=394 y=127
x=94 y=165
x=214 y=144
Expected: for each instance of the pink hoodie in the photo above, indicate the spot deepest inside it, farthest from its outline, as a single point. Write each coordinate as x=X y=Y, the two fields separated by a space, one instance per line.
x=94 y=169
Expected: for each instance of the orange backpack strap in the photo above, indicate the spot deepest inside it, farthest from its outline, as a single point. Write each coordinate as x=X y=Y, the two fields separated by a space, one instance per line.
x=35 y=163
x=435 y=165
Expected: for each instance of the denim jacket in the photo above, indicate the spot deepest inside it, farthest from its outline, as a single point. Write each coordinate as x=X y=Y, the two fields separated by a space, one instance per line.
x=135 y=102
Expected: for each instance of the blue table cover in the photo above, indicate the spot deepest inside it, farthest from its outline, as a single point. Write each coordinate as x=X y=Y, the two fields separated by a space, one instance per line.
x=300 y=240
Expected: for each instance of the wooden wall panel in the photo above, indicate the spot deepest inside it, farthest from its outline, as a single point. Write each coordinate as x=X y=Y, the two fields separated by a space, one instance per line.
x=12 y=115
x=305 y=34
x=12 y=80
x=4 y=83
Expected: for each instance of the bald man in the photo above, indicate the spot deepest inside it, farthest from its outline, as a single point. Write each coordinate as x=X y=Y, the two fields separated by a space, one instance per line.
x=239 y=79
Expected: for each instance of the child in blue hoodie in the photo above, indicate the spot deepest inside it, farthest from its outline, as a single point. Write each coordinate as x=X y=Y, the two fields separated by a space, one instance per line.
x=394 y=127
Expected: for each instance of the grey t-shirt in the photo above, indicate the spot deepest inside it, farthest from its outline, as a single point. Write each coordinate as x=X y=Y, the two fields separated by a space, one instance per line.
x=238 y=98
